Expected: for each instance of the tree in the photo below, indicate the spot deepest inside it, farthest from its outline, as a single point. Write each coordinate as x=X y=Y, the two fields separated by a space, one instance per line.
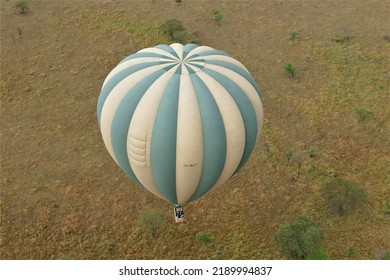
x=175 y=29
x=300 y=239
x=344 y=196
x=171 y=26
x=22 y=6
x=152 y=220
x=289 y=69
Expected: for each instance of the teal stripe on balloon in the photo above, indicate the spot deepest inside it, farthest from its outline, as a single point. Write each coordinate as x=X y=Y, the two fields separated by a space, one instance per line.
x=163 y=143
x=116 y=79
x=122 y=118
x=187 y=48
x=238 y=70
x=167 y=49
x=246 y=109
x=144 y=54
x=178 y=70
x=213 y=52
x=214 y=138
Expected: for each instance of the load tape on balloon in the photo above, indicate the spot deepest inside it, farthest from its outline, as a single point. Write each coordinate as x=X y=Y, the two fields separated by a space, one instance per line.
x=180 y=120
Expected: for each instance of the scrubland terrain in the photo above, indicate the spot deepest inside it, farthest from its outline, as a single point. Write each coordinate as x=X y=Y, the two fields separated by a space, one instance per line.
x=63 y=197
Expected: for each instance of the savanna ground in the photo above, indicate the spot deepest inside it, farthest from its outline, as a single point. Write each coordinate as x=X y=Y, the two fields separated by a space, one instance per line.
x=63 y=197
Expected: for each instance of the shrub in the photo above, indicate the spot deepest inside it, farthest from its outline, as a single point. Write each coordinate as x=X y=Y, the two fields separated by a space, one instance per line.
x=288 y=153
x=178 y=1
x=312 y=169
x=22 y=6
x=180 y=36
x=293 y=35
x=344 y=196
x=151 y=221
x=382 y=255
x=171 y=26
x=218 y=16
x=313 y=152
x=351 y=251
x=386 y=37
x=289 y=69
x=300 y=239
x=178 y=33
x=363 y=114
x=319 y=255
x=204 y=237
x=344 y=37
x=298 y=158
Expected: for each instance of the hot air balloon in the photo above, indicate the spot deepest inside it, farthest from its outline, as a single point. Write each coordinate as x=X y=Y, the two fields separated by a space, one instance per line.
x=180 y=120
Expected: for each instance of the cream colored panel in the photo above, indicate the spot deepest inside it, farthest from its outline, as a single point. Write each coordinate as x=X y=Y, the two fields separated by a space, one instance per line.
x=234 y=127
x=226 y=59
x=140 y=133
x=199 y=50
x=246 y=87
x=114 y=99
x=178 y=48
x=127 y=64
x=189 y=148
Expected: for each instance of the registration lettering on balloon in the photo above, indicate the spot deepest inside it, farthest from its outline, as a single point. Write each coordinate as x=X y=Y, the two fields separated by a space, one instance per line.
x=190 y=164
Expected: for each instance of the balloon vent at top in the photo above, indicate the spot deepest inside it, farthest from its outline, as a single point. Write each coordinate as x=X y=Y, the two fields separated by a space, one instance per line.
x=180 y=120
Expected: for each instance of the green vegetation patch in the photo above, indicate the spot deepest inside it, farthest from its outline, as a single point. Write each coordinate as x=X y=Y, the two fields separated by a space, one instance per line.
x=301 y=239
x=22 y=6
x=344 y=196
x=177 y=32
x=205 y=237
x=218 y=16
x=148 y=32
x=289 y=69
x=151 y=221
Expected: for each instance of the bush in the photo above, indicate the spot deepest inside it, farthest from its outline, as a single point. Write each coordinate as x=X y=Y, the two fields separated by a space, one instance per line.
x=288 y=153
x=204 y=237
x=171 y=26
x=289 y=69
x=178 y=33
x=293 y=35
x=300 y=239
x=344 y=196
x=22 y=6
x=344 y=37
x=319 y=255
x=180 y=36
x=298 y=158
x=386 y=37
x=363 y=114
x=351 y=251
x=151 y=221
x=382 y=255
x=218 y=16
x=313 y=152
x=312 y=169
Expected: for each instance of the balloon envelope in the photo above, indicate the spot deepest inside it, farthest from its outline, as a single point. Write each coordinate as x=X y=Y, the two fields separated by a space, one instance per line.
x=180 y=120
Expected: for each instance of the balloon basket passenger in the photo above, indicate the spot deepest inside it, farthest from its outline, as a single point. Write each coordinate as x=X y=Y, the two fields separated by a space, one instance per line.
x=179 y=213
